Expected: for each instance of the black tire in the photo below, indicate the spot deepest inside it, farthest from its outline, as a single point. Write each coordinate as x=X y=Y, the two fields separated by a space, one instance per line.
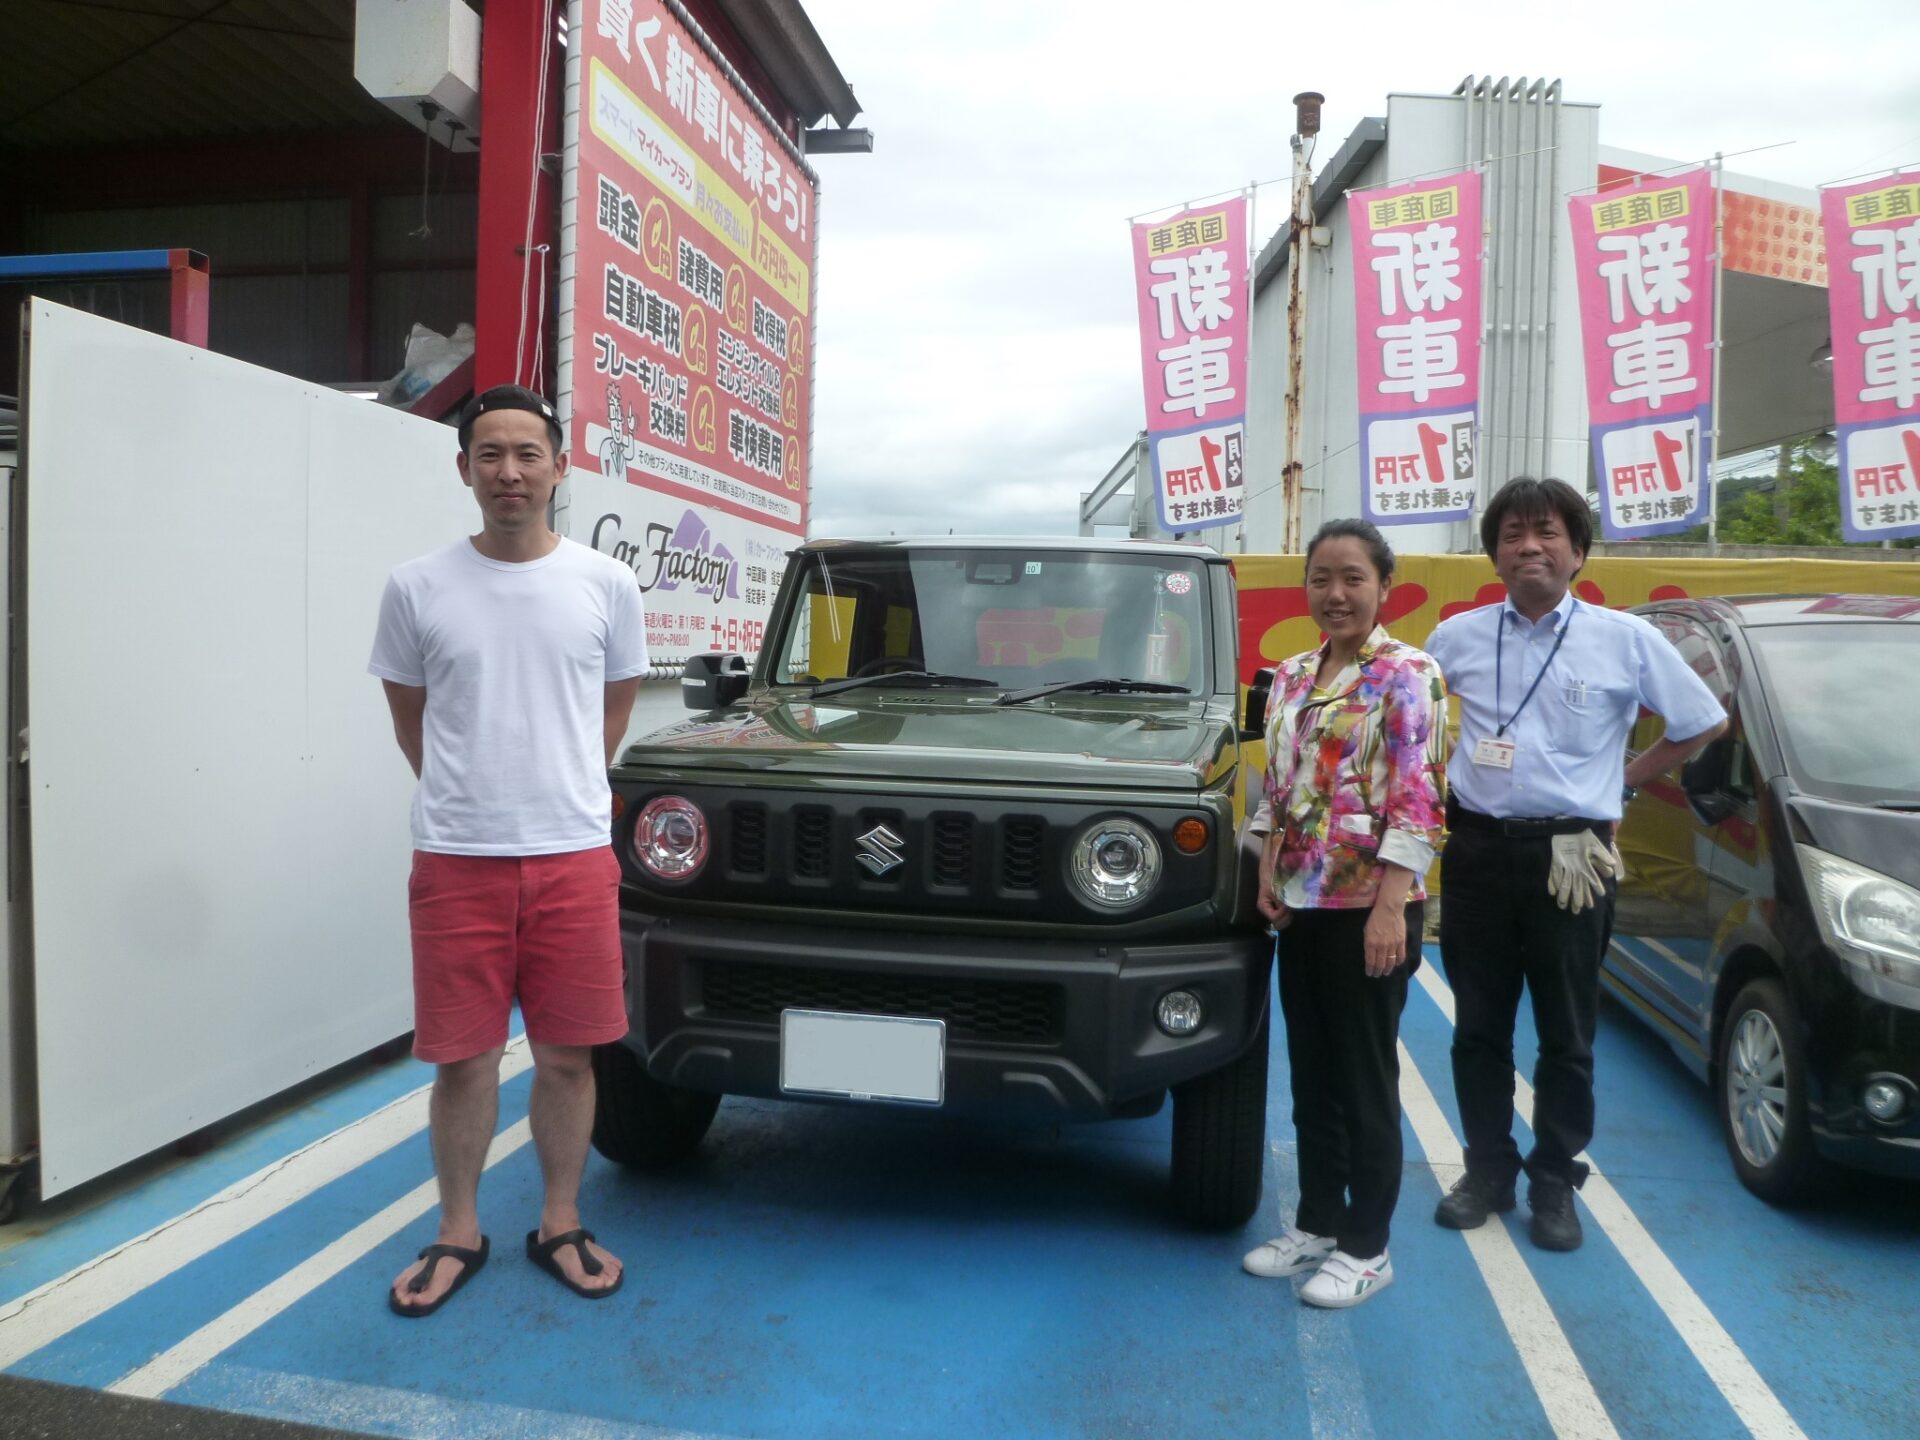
x=637 y=1120
x=1220 y=1140
x=1761 y=1093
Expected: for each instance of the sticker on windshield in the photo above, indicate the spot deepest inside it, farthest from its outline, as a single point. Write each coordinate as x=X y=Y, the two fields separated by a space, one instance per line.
x=1179 y=583
x=1033 y=567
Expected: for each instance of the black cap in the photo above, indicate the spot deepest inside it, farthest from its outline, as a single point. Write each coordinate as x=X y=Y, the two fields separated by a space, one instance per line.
x=510 y=397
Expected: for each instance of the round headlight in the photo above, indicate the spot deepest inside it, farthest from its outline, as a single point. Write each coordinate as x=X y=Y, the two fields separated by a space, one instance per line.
x=670 y=837
x=1179 y=1012
x=1116 y=863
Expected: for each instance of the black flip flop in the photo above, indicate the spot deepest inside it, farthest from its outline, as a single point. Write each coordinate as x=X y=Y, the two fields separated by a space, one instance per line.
x=541 y=1253
x=470 y=1261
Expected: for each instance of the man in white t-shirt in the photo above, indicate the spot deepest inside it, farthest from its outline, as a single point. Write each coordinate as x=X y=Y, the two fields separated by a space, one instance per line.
x=510 y=661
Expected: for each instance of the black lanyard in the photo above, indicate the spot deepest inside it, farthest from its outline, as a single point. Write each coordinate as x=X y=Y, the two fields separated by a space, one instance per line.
x=1499 y=645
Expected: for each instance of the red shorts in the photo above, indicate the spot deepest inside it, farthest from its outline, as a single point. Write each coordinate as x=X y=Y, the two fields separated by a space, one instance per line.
x=488 y=929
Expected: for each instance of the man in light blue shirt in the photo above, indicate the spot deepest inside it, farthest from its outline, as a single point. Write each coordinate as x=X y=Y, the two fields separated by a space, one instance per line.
x=1549 y=688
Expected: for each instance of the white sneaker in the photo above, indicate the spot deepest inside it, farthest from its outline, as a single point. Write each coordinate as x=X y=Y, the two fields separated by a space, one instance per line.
x=1344 y=1280
x=1294 y=1253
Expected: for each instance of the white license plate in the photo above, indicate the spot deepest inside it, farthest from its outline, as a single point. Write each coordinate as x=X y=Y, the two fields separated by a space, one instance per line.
x=863 y=1057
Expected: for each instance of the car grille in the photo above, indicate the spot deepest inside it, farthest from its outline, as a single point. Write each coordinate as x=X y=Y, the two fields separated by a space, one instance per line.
x=955 y=840
x=987 y=1011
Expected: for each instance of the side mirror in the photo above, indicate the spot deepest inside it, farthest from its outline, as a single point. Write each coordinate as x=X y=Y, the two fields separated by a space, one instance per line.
x=1703 y=780
x=1253 y=724
x=711 y=681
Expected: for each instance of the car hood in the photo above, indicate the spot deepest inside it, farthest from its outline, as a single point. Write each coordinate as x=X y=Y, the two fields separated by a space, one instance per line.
x=1883 y=840
x=1130 y=741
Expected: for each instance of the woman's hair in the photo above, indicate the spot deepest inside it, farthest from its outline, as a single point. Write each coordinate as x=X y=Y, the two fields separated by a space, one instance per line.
x=1378 y=550
x=1525 y=499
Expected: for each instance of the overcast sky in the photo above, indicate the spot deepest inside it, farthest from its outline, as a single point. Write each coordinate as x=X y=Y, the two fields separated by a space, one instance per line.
x=977 y=358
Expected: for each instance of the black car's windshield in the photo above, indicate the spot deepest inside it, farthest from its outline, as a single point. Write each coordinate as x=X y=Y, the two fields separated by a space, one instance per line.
x=1010 y=617
x=1846 y=698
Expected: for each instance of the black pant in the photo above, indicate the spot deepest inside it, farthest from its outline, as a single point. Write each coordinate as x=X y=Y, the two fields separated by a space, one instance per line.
x=1500 y=929
x=1343 y=1029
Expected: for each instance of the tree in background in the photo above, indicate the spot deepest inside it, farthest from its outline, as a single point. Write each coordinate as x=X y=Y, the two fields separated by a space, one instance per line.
x=1803 y=509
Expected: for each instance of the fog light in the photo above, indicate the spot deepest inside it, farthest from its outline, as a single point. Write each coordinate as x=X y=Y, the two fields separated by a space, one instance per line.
x=1180 y=1012
x=1884 y=1099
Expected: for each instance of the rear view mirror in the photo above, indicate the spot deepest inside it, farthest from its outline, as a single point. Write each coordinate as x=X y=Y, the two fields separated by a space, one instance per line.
x=1704 y=779
x=1254 y=724
x=711 y=681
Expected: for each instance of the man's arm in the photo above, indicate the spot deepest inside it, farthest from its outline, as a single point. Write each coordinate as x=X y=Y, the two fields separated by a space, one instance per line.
x=409 y=706
x=1665 y=753
x=619 y=712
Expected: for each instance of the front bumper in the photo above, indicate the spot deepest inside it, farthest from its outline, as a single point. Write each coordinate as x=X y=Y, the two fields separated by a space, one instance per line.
x=1863 y=1040
x=1064 y=1027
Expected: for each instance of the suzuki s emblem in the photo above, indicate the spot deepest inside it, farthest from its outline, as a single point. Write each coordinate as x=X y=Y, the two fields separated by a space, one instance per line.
x=880 y=850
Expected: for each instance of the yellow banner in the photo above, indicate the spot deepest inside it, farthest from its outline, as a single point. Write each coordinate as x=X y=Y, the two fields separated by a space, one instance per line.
x=622 y=119
x=1188 y=232
x=1640 y=207
x=1414 y=207
x=1895 y=202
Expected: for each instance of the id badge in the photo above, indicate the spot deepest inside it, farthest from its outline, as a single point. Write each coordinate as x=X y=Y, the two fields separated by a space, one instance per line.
x=1494 y=754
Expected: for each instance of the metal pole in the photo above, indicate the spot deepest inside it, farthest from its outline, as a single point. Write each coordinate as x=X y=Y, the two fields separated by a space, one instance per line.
x=1719 y=270
x=1306 y=124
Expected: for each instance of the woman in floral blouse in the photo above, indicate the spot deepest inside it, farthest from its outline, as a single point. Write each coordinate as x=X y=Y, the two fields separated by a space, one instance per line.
x=1356 y=784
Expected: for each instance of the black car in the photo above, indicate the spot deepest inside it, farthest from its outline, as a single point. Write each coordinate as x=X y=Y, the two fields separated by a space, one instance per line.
x=1769 y=923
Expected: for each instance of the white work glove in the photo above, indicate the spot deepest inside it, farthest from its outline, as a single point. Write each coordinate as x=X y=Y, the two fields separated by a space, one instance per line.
x=1582 y=864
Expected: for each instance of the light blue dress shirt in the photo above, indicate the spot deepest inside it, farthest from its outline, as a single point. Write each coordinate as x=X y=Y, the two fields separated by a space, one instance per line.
x=1570 y=739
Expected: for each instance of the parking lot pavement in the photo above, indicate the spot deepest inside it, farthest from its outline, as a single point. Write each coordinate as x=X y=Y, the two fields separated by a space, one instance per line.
x=834 y=1271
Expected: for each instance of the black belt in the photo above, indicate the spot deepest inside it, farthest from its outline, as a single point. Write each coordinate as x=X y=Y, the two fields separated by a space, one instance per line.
x=1523 y=827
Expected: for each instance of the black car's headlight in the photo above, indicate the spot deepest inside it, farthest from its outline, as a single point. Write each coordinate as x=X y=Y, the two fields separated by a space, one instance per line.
x=1871 y=921
x=1116 y=863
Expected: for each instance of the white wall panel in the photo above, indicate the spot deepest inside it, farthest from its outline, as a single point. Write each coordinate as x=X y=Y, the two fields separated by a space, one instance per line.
x=219 y=827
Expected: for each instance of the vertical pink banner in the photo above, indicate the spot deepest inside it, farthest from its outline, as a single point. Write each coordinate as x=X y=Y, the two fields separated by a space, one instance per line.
x=1642 y=260
x=1191 y=275
x=1416 y=292
x=1873 y=292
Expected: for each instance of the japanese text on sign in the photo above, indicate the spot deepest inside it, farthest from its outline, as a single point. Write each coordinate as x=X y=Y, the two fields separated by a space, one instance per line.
x=1417 y=268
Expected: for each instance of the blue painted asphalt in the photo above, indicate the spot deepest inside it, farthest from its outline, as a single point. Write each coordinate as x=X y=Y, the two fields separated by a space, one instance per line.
x=827 y=1271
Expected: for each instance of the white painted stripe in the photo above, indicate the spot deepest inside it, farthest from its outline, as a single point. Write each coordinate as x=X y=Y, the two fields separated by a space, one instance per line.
x=1724 y=1361
x=1566 y=1393
x=170 y=1367
x=42 y=1316
x=380 y=1409
x=1337 y=1406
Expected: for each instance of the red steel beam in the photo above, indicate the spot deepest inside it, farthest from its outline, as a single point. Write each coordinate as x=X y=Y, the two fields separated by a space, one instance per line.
x=187 y=269
x=518 y=43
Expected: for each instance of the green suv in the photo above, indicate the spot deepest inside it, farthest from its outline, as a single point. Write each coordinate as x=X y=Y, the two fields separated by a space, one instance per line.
x=965 y=835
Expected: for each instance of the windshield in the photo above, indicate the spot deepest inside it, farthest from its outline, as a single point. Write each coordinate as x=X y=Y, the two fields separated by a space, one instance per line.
x=1016 y=618
x=1844 y=697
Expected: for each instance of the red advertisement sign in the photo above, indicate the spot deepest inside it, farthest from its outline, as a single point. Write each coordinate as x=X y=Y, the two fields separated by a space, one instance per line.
x=689 y=390
x=1873 y=291
x=1416 y=259
x=1642 y=258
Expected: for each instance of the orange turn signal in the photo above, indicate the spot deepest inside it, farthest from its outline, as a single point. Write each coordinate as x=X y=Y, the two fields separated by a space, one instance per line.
x=1190 y=836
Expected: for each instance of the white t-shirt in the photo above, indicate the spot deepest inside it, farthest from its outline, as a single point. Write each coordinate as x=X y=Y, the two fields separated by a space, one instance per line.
x=515 y=659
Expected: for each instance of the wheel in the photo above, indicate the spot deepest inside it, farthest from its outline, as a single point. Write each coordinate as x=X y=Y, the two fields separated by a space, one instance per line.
x=640 y=1122
x=1763 y=1095
x=1220 y=1140
x=882 y=663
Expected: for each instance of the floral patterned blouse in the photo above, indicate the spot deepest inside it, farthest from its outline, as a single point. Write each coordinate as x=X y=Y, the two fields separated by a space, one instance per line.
x=1356 y=773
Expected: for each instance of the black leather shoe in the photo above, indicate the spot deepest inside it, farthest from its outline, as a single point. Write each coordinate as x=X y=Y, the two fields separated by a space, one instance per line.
x=1472 y=1199
x=1555 y=1225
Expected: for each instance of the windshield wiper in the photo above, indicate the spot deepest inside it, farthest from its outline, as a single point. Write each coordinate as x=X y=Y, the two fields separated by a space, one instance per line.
x=1896 y=804
x=923 y=677
x=1103 y=686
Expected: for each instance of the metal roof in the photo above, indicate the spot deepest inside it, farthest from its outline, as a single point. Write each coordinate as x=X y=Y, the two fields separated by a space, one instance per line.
x=82 y=73
x=100 y=72
x=1751 y=611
